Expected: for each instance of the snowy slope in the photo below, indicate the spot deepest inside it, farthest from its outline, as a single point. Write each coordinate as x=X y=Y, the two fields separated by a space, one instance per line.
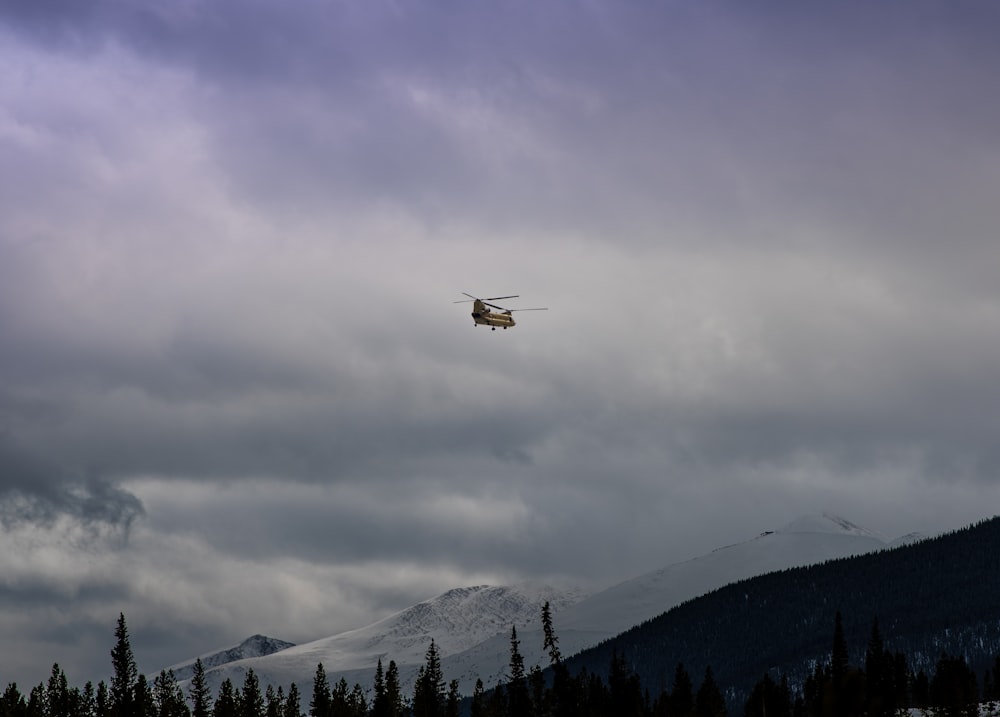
x=256 y=646
x=471 y=626
x=805 y=541
x=456 y=621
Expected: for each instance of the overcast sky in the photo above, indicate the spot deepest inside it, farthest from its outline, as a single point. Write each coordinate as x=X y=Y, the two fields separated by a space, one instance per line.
x=236 y=396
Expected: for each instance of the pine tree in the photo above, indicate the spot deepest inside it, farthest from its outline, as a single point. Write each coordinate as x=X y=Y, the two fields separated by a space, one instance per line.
x=428 y=692
x=88 y=702
x=393 y=691
x=102 y=701
x=57 y=694
x=380 y=702
x=125 y=674
x=12 y=703
x=550 y=642
x=251 y=700
x=453 y=699
x=225 y=703
x=624 y=690
x=293 y=703
x=540 y=698
x=357 y=704
x=768 y=699
x=709 y=701
x=274 y=701
x=198 y=691
x=518 y=700
x=319 y=706
x=339 y=706
x=37 y=706
x=682 y=694
x=477 y=706
x=168 y=698
x=953 y=689
x=143 y=704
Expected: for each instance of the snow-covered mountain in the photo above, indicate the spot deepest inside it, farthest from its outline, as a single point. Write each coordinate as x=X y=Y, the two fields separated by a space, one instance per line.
x=256 y=646
x=471 y=626
x=456 y=620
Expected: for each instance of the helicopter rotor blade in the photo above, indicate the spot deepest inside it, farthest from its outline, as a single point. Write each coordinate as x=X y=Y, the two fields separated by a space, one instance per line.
x=543 y=308
x=487 y=300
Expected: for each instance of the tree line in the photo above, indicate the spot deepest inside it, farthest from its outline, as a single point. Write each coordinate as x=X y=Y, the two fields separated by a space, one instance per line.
x=883 y=686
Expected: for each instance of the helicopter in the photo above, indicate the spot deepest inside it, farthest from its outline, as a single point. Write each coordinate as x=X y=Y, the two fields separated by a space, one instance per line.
x=502 y=317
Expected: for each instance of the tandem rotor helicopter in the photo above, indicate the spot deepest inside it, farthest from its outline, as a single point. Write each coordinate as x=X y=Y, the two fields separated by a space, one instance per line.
x=481 y=313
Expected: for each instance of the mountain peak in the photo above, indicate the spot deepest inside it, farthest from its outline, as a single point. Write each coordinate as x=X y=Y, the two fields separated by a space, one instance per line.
x=254 y=646
x=828 y=523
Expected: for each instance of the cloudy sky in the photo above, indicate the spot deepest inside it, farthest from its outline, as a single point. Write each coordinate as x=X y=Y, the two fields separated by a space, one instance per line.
x=236 y=396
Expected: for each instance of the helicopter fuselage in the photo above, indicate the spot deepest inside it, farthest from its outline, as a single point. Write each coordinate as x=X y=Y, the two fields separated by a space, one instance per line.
x=481 y=314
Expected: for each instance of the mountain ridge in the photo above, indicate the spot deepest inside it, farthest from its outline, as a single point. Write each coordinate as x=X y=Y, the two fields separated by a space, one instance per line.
x=471 y=625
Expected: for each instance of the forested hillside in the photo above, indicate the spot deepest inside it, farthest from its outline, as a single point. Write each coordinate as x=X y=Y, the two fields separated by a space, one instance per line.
x=938 y=596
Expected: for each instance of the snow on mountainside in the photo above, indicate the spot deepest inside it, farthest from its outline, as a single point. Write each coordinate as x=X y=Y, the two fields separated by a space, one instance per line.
x=256 y=646
x=456 y=620
x=471 y=626
x=805 y=541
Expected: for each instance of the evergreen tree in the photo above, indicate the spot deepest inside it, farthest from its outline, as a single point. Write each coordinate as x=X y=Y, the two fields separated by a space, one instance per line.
x=293 y=707
x=540 y=697
x=380 y=702
x=57 y=694
x=428 y=692
x=885 y=681
x=624 y=691
x=274 y=702
x=251 y=703
x=198 y=691
x=393 y=691
x=357 y=704
x=143 y=705
x=496 y=705
x=682 y=693
x=12 y=702
x=339 y=703
x=168 y=698
x=953 y=689
x=477 y=705
x=769 y=699
x=37 y=706
x=453 y=699
x=518 y=701
x=709 y=701
x=88 y=701
x=102 y=701
x=125 y=674
x=319 y=706
x=225 y=702
x=550 y=642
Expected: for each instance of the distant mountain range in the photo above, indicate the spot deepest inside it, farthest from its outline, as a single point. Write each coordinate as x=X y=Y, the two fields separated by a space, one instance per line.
x=471 y=626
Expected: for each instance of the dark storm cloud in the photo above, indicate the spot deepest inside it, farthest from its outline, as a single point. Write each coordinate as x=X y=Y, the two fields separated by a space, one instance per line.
x=34 y=490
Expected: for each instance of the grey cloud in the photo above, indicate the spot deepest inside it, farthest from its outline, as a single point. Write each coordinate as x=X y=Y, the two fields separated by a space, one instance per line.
x=35 y=490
